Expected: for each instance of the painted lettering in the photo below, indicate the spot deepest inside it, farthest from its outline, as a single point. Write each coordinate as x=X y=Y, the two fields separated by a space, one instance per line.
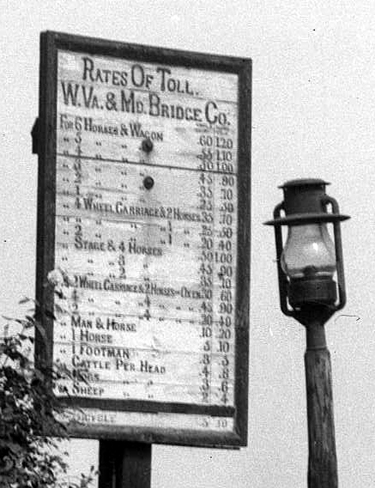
x=171 y=111
x=146 y=367
x=102 y=75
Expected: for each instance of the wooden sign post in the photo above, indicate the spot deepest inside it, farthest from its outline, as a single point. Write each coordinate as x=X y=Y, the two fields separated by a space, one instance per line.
x=143 y=241
x=124 y=464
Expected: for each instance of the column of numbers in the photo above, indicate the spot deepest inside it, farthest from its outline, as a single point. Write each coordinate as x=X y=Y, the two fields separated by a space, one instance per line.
x=206 y=207
x=224 y=255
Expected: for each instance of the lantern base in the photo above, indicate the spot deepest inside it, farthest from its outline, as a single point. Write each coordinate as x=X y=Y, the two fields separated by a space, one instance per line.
x=303 y=291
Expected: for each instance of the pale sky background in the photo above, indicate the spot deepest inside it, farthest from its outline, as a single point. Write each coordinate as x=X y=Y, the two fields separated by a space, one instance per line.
x=313 y=116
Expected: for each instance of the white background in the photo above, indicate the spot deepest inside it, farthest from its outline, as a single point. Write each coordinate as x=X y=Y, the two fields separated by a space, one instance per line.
x=313 y=113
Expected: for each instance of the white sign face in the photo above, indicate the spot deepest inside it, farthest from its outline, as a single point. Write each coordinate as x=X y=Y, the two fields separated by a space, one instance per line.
x=146 y=222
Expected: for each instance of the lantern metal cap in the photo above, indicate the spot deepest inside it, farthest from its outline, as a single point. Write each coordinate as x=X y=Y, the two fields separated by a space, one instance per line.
x=304 y=182
x=305 y=202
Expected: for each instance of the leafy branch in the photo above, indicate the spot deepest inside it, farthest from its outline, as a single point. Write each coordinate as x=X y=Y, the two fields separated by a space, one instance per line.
x=30 y=434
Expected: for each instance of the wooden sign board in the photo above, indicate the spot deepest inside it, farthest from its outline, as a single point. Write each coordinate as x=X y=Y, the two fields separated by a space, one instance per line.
x=143 y=239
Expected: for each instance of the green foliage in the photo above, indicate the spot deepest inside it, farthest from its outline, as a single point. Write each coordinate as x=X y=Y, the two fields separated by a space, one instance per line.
x=30 y=434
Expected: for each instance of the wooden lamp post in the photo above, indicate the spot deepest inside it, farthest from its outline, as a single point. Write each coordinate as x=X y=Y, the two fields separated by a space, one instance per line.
x=306 y=265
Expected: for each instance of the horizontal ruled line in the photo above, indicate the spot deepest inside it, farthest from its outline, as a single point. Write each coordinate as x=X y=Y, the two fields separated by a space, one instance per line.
x=150 y=407
x=144 y=163
x=122 y=315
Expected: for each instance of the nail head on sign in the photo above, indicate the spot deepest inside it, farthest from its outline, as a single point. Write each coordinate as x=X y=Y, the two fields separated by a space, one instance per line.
x=147 y=145
x=148 y=182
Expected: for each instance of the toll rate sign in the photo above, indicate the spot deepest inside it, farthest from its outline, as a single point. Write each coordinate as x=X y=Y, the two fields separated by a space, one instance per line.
x=143 y=239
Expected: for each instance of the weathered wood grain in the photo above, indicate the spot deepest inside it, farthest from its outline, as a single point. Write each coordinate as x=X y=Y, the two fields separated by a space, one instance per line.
x=322 y=466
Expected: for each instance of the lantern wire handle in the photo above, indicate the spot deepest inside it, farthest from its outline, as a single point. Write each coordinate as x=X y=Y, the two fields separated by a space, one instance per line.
x=339 y=254
x=283 y=281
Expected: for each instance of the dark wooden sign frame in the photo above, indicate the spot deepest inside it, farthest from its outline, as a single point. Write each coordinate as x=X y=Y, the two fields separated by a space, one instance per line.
x=51 y=42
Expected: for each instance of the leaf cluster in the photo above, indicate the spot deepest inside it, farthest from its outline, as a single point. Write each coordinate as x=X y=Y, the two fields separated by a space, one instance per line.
x=30 y=434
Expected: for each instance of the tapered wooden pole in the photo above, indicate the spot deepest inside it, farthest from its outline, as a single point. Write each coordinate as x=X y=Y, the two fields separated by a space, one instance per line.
x=322 y=469
x=124 y=464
